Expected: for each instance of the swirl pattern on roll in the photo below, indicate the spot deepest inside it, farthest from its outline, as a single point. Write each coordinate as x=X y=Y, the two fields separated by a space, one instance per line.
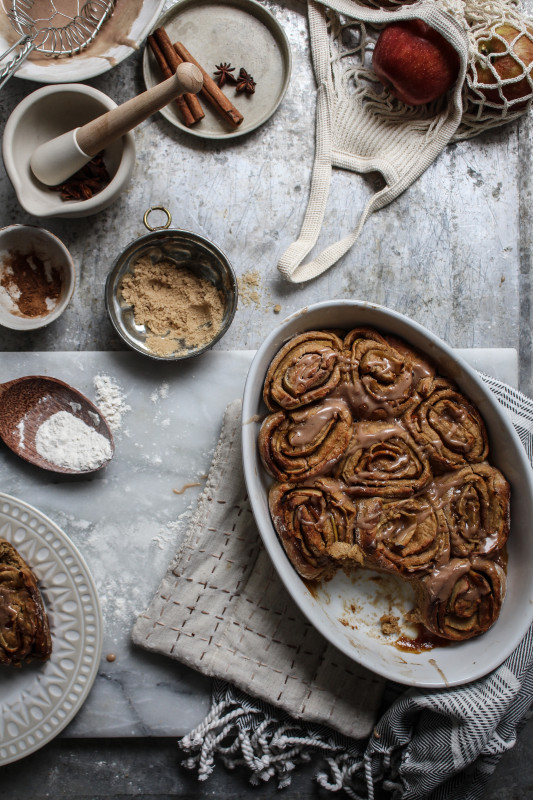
x=305 y=370
x=407 y=537
x=380 y=462
x=448 y=426
x=310 y=520
x=475 y=503
x=299 y=444
x=461 y=599
x=382 y=375
x=383 y=460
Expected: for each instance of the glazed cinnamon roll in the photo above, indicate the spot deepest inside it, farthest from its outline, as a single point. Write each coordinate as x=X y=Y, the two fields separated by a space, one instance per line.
x=381 y=375
x=309 y=441
x=447 y=426
x=383 y=460
x=406 y=537
x=305 y=370
x=310 y=520
x=475 y=503
x=24 y=628
x=461 y=599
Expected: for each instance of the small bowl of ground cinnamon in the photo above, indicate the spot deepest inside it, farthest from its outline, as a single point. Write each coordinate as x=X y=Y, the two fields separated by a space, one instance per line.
x=37 y=277
x=171 y=294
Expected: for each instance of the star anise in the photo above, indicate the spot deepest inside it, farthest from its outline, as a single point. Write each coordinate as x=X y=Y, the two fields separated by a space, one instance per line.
x=245 y=82
x=224 y=74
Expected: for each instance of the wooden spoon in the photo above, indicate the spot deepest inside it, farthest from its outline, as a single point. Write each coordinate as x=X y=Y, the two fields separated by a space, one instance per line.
x=25 y=403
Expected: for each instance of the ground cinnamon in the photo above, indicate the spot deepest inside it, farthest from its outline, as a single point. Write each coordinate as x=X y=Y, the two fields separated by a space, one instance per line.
x=33 y=286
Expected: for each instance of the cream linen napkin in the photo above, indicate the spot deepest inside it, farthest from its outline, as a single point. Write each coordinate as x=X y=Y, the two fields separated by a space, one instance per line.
x=222 y=610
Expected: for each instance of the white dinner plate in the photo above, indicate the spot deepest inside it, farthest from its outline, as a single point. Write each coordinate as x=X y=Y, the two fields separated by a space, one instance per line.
x=241 y=32
x=119 y=37
x=39 y=699
x=347 y=609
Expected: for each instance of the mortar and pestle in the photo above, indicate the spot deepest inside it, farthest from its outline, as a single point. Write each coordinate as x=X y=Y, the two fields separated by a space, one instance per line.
x=38 y=152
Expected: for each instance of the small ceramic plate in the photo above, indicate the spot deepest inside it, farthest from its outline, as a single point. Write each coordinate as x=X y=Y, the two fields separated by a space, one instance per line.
x=241 y=32
x=119 y=38
x=348 y=608
x=38 y=700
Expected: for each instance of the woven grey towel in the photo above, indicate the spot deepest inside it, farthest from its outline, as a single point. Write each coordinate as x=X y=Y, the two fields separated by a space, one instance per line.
x=427 y=745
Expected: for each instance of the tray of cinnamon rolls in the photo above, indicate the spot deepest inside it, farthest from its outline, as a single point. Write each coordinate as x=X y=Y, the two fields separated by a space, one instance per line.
x=378 y=463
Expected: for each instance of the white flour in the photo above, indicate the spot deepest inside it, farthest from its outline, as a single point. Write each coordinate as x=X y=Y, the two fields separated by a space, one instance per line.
x=66 y=441
x=110 y=400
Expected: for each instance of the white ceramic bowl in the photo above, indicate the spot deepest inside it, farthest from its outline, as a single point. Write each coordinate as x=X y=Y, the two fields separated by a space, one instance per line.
x=330 y=607
x=120 y=36
x=44 y=114
x=29 y=240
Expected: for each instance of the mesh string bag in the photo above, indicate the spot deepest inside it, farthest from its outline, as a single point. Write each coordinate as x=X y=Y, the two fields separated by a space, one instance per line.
x=361 y=127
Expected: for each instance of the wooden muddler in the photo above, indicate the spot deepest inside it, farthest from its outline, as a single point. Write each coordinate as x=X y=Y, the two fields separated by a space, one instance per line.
x=55 y=161
x=188 y=104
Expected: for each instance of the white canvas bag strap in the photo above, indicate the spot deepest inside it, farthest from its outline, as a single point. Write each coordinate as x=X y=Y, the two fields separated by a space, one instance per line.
x=290 y=264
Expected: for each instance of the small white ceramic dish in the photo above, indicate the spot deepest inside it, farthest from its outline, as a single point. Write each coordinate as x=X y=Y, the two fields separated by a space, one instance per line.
x=347 y=610
x=44 y=114
x=215 y=32
x=28 y=240
x=120 y=36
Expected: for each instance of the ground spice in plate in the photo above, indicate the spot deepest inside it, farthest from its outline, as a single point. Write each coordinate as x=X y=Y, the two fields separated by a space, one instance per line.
x=33 y=286
x=179 y=309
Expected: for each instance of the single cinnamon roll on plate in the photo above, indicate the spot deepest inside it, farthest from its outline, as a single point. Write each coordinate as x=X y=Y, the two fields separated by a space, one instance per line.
x=24 y=629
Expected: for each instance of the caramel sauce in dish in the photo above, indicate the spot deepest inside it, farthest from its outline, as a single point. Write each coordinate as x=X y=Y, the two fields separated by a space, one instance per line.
x=423 y=642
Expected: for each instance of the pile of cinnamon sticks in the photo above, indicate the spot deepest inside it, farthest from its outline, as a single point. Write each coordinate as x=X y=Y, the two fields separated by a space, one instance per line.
x=169 y=56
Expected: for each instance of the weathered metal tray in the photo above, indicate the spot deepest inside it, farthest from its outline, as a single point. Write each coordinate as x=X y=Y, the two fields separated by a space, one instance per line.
x=241 y=32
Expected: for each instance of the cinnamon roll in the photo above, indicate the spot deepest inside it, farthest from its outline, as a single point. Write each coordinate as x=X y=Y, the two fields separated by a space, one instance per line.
x=461 y=599
x=24 y=628
x=383 y=460
x=309 y=520
x=309 y=441
x=382 y=375
x=406 y=537
x=305 y=370
x=475 y=503
x=447 y=426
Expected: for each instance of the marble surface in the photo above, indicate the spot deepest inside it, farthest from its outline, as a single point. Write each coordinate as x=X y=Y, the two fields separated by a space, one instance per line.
x=129 y=519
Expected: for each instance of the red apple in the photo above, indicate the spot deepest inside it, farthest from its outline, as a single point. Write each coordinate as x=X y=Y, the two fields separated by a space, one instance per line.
x=415 y=61
x=503 y=48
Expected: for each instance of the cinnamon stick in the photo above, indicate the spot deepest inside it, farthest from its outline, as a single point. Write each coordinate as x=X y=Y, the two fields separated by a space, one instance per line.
x=188 y=103
x=211 y=92
x=184 y=110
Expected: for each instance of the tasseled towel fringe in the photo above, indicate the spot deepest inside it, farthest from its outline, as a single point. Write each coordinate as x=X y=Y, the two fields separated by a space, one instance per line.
x=269 y=746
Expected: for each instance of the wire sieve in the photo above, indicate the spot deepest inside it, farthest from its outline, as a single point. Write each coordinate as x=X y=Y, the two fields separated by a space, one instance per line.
x=72 y=32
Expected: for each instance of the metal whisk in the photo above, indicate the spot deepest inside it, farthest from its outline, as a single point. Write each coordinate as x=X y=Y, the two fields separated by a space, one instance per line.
x=41 y=35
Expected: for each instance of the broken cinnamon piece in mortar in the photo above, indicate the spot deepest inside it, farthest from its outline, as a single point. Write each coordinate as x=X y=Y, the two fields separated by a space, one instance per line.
x=211 y=92
x=168 y=60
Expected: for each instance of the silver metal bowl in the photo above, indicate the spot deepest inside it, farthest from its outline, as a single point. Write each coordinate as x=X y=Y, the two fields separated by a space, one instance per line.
x=185 y=249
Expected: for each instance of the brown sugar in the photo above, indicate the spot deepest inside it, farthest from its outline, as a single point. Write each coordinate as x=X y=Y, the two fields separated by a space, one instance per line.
x=179 y=309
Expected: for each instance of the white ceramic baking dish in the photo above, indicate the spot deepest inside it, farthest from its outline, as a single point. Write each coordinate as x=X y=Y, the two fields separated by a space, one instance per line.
x=346 y=610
